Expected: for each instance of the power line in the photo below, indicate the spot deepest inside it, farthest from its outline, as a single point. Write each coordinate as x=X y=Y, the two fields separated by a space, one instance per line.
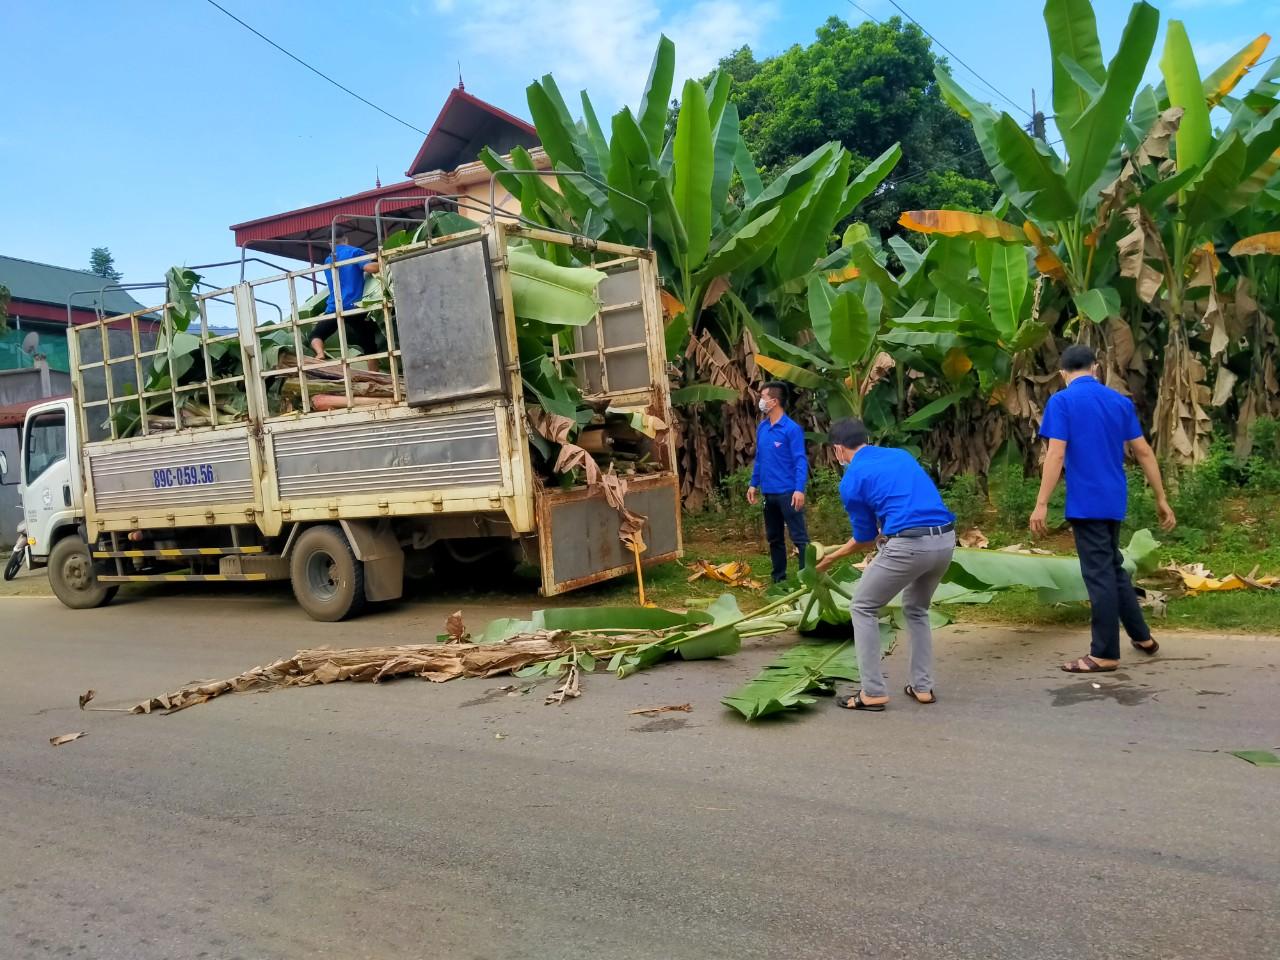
x=954 y=56
x=865 y=13
x=318 y=73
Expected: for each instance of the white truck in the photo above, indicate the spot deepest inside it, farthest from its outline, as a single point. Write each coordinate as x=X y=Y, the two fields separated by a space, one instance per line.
x=336 y=478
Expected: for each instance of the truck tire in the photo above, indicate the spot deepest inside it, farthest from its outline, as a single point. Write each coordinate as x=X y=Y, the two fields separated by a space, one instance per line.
x=328 y=580
x=72 y=575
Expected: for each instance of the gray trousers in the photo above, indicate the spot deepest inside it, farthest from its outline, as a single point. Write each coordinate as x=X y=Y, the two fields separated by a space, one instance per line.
x=913 y=567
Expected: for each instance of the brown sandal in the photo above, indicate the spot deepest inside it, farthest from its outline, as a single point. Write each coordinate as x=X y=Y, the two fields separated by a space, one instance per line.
x=1150 y=651
x=915 y=695
x=1087 y=665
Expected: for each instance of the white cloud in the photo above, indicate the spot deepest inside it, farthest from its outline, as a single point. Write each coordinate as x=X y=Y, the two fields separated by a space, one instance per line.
x=606 y=47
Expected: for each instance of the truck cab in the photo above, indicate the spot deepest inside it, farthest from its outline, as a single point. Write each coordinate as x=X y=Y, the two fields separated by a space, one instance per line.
x=49 y=484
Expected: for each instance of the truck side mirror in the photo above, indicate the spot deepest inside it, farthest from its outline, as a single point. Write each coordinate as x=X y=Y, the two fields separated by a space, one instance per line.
x=4 y=463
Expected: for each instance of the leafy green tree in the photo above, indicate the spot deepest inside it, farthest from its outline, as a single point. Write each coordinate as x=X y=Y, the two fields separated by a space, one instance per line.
x=103 y=264
x=867 y=87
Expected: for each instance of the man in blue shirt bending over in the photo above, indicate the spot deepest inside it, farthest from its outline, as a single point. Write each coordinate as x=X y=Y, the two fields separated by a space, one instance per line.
x=781 y=471
x=891 y=502
x=1088 y=426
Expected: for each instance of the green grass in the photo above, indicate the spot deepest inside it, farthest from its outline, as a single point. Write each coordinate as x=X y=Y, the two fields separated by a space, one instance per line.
x=1253 y=611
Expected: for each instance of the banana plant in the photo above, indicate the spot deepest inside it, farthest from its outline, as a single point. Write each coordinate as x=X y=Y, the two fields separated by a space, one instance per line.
x=1059 y=197
x=902 y=350
x=715 y=223
x=1175 y=193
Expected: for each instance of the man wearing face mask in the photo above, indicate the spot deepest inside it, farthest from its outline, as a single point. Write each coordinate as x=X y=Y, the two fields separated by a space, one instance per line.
x=780 y=472
x=892 y=502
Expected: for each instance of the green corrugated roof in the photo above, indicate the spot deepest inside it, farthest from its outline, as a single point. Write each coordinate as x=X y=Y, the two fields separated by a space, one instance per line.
x=45 y=283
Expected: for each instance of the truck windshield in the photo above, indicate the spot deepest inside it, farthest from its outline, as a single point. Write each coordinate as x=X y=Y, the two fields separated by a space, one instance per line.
x=46 y=443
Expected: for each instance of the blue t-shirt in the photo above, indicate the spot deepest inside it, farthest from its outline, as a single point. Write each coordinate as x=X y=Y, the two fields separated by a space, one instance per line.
x=781 y=464
x=885 y=491
x=351 y=277
x=1096 y=422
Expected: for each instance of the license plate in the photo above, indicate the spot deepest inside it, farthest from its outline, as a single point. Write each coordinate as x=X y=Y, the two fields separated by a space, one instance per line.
x=187 y=475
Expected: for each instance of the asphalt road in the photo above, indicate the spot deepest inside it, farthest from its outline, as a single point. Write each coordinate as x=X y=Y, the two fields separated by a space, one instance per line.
x=1028 y=815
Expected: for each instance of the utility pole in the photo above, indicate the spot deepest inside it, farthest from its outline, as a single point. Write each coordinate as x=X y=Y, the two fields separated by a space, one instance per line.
x=1037 y=119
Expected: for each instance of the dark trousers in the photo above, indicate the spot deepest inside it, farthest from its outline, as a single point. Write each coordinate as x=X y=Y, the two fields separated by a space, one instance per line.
x=779 y=514
x=1111 y=592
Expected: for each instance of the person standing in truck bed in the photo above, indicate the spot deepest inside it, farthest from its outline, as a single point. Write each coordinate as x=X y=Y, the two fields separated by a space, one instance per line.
x=360 y=330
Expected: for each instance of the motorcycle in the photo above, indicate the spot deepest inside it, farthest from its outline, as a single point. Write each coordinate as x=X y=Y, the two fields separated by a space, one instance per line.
x=19 y=554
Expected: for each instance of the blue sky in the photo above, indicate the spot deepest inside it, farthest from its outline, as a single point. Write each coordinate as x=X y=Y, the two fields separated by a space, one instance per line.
x=150 y=127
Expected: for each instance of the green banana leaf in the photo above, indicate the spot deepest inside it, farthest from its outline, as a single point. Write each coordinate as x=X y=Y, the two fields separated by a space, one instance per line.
x=726 y=136
x=1038 y=170
x=1057 y=578
x=761 y=233
x=703 y=393
x=869 y=179
x=1008 y=286
x=556 y=131
x=1073 y=35
x=1097 y=132
x=1182 y=79
x=922 y=418
x=839 y=320
x=654 y=103
x=1098 y=304
x=550 y=293
x=789 y=681
x=693 y=171
x=806 y=240
x=621 y=619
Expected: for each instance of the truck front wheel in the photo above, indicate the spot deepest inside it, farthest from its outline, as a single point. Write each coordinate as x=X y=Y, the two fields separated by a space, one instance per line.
x=72 y=576
x=328 y=580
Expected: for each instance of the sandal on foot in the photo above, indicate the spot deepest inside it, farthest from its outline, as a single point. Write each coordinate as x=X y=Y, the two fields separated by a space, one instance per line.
x=1086 y=665
x=915 y=695
x=1149 y=651
x=856 y=702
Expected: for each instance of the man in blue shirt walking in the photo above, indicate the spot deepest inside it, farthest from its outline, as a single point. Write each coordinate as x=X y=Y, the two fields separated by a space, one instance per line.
x=780 y=472
x=891 y=502
x=1088 y=426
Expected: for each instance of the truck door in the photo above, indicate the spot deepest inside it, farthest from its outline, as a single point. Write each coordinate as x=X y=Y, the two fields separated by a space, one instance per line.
x=48 y=496
x=618 y=361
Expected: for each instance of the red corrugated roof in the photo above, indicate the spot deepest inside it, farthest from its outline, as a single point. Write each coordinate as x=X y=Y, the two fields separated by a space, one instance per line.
x=12 y=414
x=320 y=215
x=458 y=95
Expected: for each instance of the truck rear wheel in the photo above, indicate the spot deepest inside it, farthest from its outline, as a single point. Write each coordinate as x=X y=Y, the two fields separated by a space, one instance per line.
x=328 y=580
x=72 y=576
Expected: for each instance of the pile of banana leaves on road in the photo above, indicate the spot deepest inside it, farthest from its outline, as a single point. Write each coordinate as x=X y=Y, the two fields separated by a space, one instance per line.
x=569 y=642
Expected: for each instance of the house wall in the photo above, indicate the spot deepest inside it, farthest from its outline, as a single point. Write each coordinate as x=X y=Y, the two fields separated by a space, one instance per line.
x=10 y=505
x=19 y=386
x=471 y=180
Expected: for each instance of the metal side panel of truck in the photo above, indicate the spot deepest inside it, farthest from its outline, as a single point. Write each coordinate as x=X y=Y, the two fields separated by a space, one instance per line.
x=444 y=461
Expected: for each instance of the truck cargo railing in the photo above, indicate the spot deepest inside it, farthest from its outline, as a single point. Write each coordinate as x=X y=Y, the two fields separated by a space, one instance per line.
x=129 y=389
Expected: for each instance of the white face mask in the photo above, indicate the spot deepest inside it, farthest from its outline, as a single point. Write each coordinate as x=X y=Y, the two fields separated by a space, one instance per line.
x=765 y=403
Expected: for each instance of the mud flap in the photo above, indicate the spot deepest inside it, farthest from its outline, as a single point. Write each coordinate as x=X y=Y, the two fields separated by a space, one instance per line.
x=377 y=546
